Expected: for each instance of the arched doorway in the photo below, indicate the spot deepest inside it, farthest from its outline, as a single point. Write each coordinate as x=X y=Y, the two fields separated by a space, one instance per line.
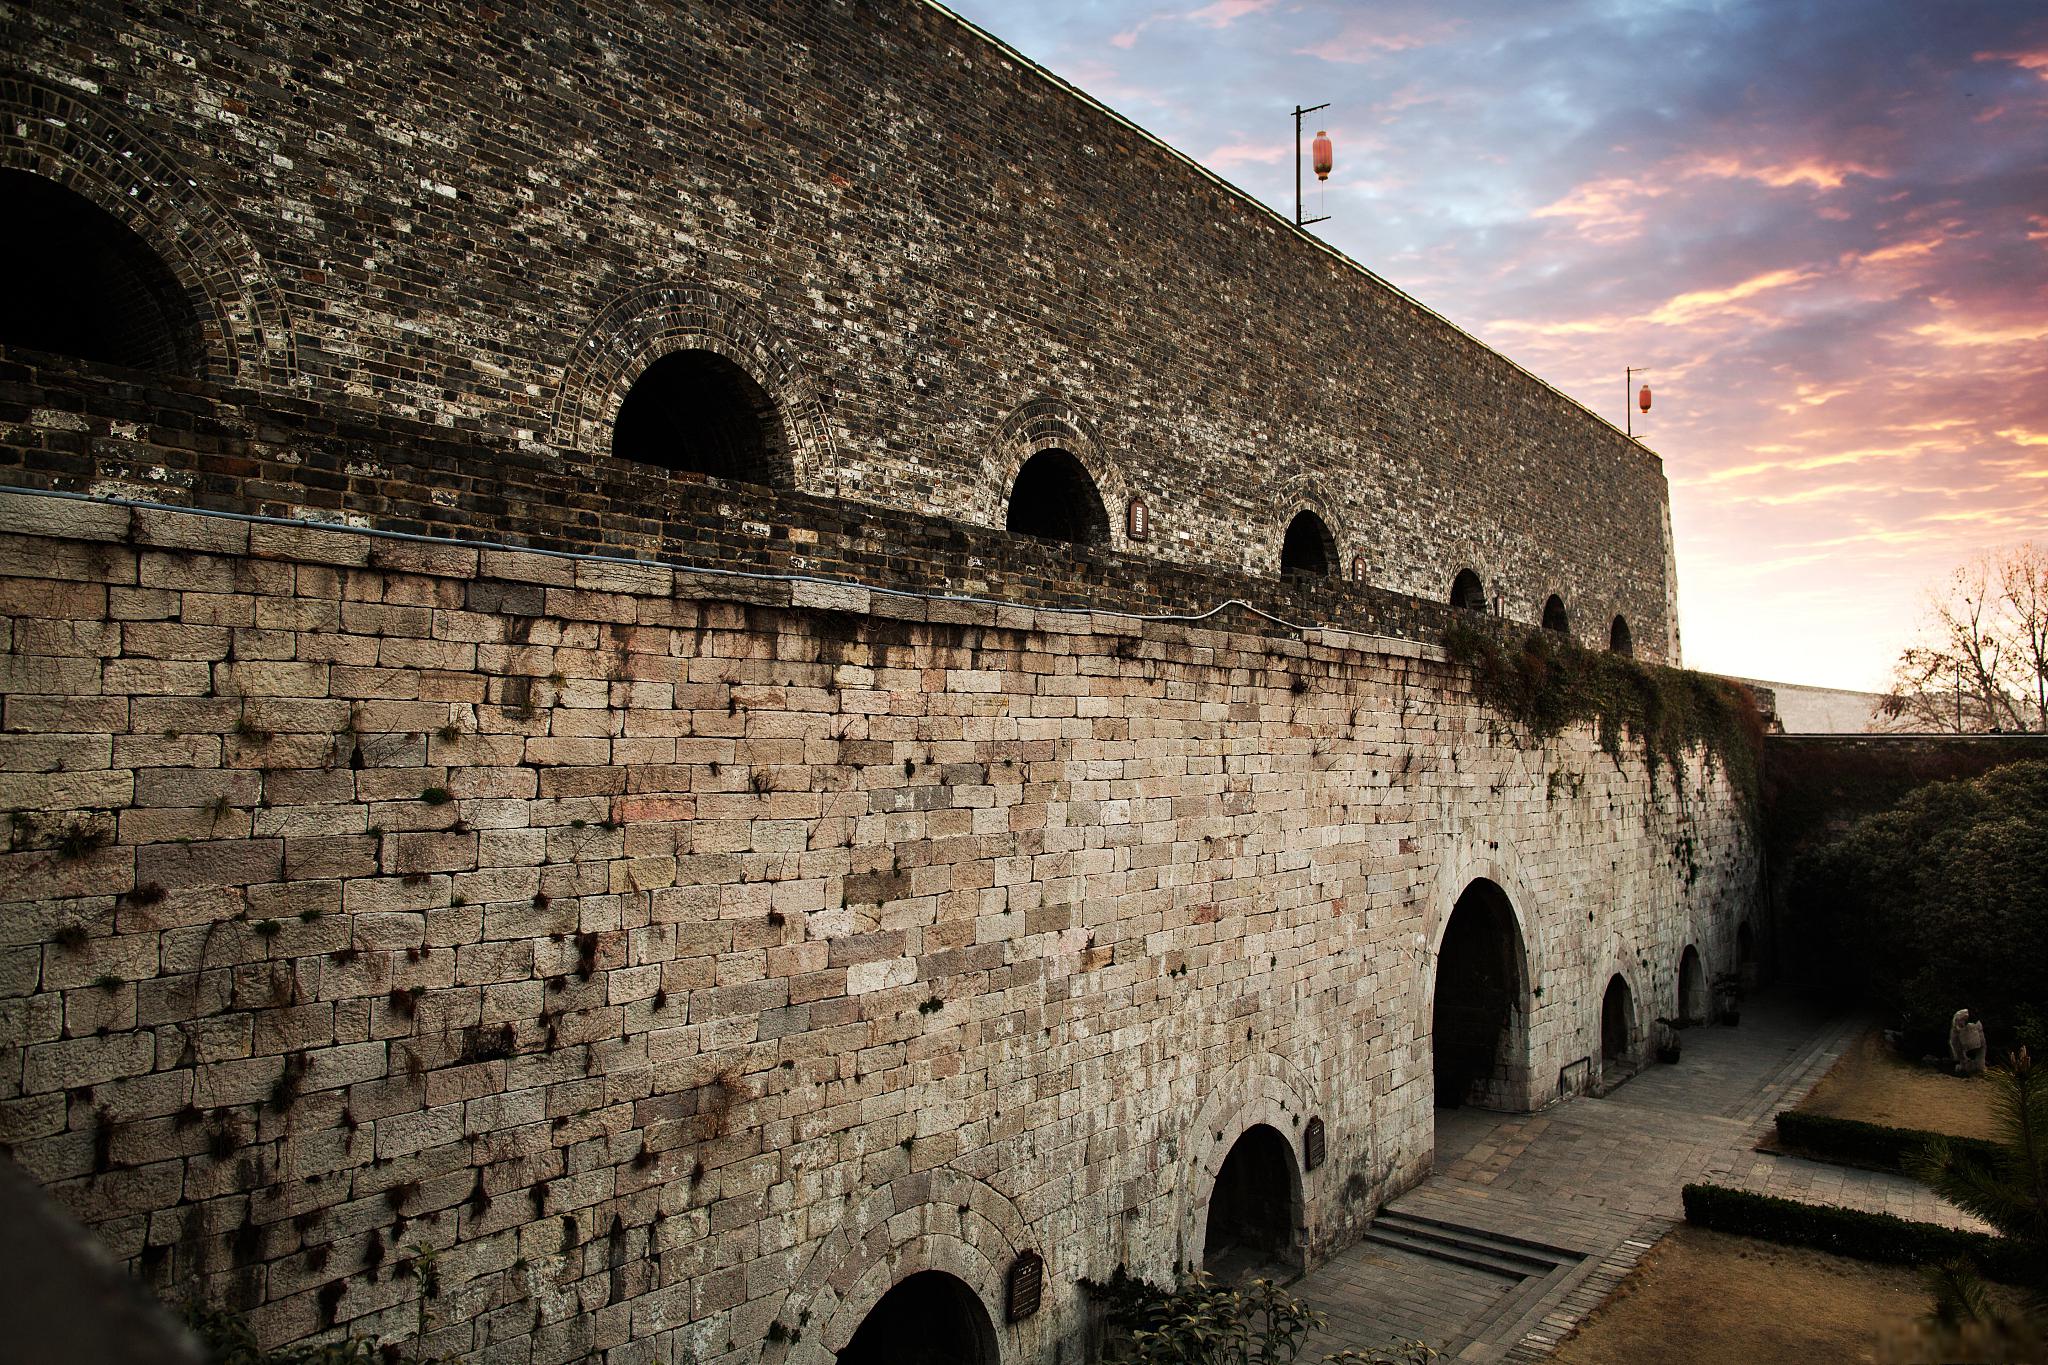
x=1254 y=1206
x=931 y=1318
x=1309 y=548
x=1054 y=499
x=1555 y=617
x=697 y=412
x=1467 y=592
x=1619 y=637
x=84 y=285
x=1477 y=1026
x=1617 y=1023
x=1692 y=988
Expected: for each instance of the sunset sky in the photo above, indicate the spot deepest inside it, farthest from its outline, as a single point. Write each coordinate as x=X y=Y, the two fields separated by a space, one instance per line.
x=1823 y=228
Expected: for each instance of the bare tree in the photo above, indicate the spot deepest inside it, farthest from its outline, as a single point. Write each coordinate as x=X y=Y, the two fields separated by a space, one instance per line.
x=1983 y=665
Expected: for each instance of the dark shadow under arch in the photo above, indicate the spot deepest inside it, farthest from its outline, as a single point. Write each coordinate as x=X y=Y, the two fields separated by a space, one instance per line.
x=1555 y=617
x=84 y=285
x=1254 y=1206
x=1692 y=987
x=1619 y=637
x=1478 y=1032
x=1308 y=549
x=1467 y=592
x=929 y=1318
x=1054 y=499
x=1617 y=1021
x=697 y=412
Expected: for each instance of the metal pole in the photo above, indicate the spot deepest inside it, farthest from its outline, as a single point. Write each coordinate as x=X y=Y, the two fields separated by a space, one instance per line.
x=1628 y=407
x=1300 y=221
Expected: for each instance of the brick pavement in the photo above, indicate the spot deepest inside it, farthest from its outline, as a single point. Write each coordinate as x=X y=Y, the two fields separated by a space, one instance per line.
x=1597 y=1181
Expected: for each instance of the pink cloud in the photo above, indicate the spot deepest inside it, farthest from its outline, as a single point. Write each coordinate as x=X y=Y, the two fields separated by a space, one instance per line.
x=1224 y=13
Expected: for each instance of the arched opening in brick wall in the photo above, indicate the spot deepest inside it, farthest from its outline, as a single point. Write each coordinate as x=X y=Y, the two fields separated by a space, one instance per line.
x=1254 y=1207
x=1467 y=592
x=930 y=1318
x=1309 y=549
x=1619 y=638
x=1478 y=1033
x=697 y=412
x=1692 y=987
x=1054 y=499
x=1617 y=1021
x=1554 y=615
x=84 y=285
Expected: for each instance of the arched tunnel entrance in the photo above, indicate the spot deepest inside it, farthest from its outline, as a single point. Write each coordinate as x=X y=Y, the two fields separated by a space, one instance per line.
x=931 y=1318
x=1617 y=1022
x=1253 y=1209
x=1692 y=988
x=1478 y=1033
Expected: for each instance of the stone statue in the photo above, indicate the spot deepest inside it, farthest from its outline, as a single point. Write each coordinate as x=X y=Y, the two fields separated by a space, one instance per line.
x=1966 y=1043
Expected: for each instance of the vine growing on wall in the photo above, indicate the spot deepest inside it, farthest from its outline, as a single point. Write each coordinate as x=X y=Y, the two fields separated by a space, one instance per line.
x=1544 y=683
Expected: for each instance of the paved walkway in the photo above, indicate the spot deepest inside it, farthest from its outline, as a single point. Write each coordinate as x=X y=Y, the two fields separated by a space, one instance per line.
x=1543 y=1214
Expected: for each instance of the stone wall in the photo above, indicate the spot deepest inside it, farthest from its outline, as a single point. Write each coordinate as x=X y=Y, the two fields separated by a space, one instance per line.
x=682 y=962
x=935 y=257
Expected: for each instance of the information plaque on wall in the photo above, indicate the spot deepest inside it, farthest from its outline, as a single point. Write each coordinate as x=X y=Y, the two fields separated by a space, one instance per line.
x=1027 y=1283
x=1312 y=1143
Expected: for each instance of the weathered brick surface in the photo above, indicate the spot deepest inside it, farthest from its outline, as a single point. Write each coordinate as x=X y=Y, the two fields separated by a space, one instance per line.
x=675 y=966
x=933 y=256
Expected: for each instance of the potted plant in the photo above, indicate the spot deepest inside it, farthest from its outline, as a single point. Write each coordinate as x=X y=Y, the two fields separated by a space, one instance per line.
x=1728 y=997
x=1667 y=1040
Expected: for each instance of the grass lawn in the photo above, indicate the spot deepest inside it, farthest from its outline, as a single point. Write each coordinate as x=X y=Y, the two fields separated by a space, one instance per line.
x=1871 y=1084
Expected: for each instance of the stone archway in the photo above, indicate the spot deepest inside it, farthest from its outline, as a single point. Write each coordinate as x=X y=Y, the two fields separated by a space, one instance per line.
x=1254 y=1207
x=1618 y=1041
x=1692 y=987
x=242 y=330
x=638 y=329
x=1479 y=1017
x=927 y=1318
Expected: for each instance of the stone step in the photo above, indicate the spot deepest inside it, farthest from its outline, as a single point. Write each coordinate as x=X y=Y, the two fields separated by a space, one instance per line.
x=1472 y=1248
x=1423 y=1224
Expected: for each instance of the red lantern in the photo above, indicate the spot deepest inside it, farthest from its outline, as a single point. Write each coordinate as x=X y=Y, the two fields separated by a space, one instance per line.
x=1643 y=398
x=1323 y=154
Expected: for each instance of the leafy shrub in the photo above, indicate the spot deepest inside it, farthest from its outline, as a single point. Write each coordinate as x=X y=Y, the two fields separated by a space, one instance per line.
x=1201 y=1322
x=1880 y=1237
x=1935 y=904
x=1866 y=1144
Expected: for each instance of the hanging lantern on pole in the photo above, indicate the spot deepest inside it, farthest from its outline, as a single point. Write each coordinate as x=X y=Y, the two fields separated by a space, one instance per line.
x=1323 y=153
x=1643 y=398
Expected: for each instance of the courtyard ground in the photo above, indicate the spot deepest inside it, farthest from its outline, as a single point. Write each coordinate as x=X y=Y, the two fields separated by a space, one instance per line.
x=1533 y=1220
x=1705 y=1298
x=1873 y=1084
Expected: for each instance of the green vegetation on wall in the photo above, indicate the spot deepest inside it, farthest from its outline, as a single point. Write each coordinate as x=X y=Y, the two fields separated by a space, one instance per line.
x=1545 y=683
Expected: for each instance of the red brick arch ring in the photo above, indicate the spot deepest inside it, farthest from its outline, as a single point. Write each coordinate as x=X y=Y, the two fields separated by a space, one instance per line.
x=1264 y=1088
x=938 y=1219
x=65 y=137
x=641 y=325
x=1050 y=423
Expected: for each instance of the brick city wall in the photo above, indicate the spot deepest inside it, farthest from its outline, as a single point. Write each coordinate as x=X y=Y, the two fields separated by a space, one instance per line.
x=934 y=256
x=673 y=966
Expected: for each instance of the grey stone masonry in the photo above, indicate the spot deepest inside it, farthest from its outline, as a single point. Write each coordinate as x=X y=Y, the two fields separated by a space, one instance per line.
x=683 y=960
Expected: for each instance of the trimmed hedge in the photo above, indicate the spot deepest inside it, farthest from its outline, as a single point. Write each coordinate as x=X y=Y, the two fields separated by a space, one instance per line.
x=1880 y=1237
x=1869 y=1144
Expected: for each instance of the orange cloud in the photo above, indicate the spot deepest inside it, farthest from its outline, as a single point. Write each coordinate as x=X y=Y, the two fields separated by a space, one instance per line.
x=1822 y=175
x=1606 y=210
x=2036 y=62
x=1686 y=307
